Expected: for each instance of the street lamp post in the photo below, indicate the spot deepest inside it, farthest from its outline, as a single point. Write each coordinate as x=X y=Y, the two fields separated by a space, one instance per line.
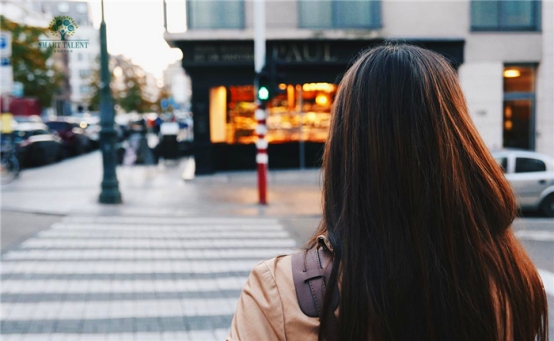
x=110 y=187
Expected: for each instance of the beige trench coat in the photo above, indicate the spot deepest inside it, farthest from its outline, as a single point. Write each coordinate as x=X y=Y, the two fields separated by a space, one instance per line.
x=268 y=308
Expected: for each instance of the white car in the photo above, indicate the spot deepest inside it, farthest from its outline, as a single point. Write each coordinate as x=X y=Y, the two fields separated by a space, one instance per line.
x=531 y=176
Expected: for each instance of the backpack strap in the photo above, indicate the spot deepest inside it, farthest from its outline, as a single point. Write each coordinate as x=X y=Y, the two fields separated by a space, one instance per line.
x=311 y=270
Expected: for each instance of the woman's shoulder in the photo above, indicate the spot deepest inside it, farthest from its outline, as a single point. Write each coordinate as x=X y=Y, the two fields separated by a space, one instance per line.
x=279 y=268
x=268 y=305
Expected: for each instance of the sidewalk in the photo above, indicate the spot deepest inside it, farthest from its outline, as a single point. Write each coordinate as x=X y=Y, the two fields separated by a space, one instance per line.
x=72 y=187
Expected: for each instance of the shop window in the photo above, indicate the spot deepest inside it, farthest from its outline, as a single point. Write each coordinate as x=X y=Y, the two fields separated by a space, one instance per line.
x=505 y=15
x=339 y=14
x=528 y=165
x=215 y=14
x=519 y=79
x=302 y=112
x=519 y=103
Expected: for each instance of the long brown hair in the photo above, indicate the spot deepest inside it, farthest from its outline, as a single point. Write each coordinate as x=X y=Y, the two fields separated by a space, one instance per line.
x=419 y=213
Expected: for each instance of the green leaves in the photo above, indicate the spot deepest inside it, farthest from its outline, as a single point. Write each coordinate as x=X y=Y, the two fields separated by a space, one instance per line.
x=32 y=65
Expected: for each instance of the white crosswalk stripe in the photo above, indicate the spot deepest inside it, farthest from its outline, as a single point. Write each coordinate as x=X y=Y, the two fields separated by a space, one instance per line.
x=117 y=254
x=118 y=286
x=92 y=243
x=112 y=273
x=536 y=235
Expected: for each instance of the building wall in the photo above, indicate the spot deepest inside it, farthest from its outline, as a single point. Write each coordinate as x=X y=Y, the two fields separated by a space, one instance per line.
x=482 y=84
x=545 y=84
x=83 y=60
x=417 y=19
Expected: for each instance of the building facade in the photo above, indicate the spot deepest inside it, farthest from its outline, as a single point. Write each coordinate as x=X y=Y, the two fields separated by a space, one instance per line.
x=502 y=50
x=81 y=63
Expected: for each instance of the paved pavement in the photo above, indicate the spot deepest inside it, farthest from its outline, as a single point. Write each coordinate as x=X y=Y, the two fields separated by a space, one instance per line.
x=73 y=186
x=169 y=263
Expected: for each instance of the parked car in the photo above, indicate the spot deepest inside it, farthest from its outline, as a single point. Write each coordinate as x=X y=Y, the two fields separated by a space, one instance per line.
x=74 y=138
x=36 y=146
x=91 y=128
x=531 y=176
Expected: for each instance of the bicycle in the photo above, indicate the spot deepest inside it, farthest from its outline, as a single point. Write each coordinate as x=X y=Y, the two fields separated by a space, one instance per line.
x=9 y=165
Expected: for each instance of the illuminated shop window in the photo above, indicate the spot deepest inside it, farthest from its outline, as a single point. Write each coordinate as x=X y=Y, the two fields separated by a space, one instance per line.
x=519 y=107
x=300 y=112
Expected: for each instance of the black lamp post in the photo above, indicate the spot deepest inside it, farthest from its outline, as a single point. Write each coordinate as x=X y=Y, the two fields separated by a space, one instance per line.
x=110 y=187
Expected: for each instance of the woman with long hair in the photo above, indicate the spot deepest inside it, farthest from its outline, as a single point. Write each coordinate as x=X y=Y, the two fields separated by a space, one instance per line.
x=417 y=216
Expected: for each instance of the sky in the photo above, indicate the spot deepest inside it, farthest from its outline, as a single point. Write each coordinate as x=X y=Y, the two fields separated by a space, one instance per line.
x=135 y=29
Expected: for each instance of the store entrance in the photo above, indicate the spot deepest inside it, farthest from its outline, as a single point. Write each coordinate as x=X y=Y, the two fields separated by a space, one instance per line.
x=517 y=125
x=519 y=100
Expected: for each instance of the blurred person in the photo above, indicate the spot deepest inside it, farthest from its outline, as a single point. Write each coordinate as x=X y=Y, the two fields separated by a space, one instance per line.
x=416 y=219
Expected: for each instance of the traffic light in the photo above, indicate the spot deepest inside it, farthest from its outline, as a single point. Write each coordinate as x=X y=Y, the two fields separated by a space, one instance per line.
x=264 y=85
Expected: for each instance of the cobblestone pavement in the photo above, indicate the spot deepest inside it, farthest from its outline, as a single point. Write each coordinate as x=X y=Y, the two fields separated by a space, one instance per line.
x=133 y=278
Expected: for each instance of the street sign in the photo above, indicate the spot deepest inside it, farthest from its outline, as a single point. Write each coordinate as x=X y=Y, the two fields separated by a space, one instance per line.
x=17 y=89
x=5 y=44
x=6 y=70
x=164 y=103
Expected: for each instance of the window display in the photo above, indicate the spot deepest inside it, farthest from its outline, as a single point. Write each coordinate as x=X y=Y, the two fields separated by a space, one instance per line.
x=301 y=112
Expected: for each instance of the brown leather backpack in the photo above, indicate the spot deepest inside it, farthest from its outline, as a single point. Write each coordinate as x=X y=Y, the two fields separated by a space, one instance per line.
x=311 y=270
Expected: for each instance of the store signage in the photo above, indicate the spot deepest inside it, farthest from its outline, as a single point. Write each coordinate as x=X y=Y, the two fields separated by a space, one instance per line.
x=288 y=52
x=223 y=53
x=305 y=52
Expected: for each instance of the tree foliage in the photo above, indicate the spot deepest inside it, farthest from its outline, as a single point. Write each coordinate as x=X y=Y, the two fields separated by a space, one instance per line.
x=33 y=66
x=128 y=87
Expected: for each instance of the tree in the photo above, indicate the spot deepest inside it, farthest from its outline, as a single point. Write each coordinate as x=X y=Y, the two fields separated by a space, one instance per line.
x=128 y=86
x=33 y=66
x=63 y=25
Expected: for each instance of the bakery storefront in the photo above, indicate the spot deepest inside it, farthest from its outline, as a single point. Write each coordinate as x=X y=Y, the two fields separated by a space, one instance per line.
x=223 y=101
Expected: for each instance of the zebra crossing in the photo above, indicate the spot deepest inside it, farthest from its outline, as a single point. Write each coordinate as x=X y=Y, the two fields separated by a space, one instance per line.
x=133 y=278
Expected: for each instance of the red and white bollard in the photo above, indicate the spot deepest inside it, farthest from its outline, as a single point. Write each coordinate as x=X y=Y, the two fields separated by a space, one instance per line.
x=261 y=156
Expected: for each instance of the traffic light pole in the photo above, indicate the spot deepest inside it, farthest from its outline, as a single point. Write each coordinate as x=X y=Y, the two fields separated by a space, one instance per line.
x=261 y=114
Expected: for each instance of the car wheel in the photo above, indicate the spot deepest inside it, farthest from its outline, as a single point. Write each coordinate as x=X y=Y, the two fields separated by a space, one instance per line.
x=547 y=205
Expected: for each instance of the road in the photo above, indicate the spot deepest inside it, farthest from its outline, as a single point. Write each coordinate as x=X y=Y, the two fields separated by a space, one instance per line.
x=169 y=263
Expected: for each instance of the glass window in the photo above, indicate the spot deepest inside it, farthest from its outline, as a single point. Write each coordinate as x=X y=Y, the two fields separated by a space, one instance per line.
x=500 y=15
x=63 y=7
x=517 y=120
x=300 y=112
x=528 y=165
x=519 y=78
x=340 y=14
x=81 y=7
x=40 y=132
x=214 y=14
x=85 y=73
x=503 y=163
x=84 y=89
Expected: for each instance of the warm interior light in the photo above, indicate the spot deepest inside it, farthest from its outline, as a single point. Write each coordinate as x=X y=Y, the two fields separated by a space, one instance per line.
x=508 y=112
x=511 y=73
x=508 y=125
x=83 y=125
x=282 y=86
x=327 y=87
x=321 y=99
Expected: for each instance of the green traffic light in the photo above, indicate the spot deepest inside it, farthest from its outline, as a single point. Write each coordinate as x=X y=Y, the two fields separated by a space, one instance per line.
x=263 y=93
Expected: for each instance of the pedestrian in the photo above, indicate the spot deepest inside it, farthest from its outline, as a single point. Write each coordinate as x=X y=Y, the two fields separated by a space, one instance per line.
x=416 y=222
